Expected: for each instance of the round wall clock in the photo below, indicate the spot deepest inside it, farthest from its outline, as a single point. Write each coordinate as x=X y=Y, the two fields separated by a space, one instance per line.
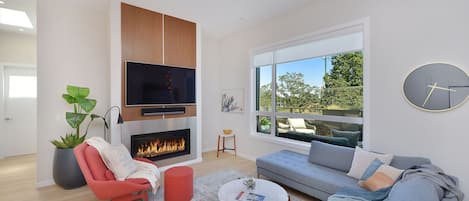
x=436 y=87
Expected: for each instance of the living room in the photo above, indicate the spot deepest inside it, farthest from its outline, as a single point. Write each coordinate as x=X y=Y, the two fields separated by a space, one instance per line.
x=79 y=43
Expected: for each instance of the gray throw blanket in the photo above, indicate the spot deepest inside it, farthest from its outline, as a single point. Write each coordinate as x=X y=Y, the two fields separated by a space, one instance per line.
x=433 y=173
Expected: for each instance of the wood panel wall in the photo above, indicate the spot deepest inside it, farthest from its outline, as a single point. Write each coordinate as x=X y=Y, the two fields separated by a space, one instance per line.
x=146 y=40
x=179 y=42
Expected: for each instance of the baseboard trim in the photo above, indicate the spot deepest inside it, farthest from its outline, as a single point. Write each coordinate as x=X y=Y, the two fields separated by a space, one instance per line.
x=45 y=183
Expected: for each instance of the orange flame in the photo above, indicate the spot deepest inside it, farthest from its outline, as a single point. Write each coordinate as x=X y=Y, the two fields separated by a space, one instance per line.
x=160 y=147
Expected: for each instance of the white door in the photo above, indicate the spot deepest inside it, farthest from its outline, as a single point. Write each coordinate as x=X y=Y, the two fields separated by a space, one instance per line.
x=20 y=108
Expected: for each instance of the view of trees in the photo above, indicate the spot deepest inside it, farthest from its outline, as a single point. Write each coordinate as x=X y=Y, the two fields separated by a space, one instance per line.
x=342 y=88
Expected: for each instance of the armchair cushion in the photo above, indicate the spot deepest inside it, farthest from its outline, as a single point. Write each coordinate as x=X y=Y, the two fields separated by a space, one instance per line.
x=297 y=123
x=96 y=165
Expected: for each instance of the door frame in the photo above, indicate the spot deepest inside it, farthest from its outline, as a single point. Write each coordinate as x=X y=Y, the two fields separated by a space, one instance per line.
x=2 y=94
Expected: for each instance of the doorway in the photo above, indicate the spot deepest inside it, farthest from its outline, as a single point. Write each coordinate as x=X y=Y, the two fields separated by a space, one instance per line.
x=19 y=110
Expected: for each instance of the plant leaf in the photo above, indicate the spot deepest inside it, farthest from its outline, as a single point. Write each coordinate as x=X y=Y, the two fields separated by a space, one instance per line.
x=75 y=119
x=78 y=92
x=87 y=104
x=69 y=99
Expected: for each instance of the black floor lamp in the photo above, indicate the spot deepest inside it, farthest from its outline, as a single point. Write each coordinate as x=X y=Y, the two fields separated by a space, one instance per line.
x=106 y=119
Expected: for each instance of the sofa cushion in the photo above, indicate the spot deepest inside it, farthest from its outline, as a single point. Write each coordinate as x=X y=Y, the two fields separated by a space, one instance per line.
x=300 y=170
x=332 y=156
x=415 y=188
x=406 y=162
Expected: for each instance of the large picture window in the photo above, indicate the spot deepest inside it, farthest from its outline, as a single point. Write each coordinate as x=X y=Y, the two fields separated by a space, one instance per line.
x=312 y=90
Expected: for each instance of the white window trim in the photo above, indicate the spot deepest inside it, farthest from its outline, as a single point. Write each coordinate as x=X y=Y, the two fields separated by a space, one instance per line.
x=362 y=25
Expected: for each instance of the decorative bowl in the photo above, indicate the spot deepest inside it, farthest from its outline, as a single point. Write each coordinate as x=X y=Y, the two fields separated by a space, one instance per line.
x=227 y=131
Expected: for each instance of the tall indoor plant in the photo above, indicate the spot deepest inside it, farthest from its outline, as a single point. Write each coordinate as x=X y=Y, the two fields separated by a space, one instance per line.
x=66 y=171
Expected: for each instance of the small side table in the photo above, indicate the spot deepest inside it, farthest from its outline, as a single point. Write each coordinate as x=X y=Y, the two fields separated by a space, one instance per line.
x=223 y=136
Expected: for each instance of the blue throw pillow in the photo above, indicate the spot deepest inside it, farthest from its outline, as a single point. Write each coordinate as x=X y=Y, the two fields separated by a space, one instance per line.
x=371 y=169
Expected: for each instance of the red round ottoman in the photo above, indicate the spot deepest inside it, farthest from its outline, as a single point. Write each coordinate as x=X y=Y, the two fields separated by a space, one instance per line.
x=178 y=184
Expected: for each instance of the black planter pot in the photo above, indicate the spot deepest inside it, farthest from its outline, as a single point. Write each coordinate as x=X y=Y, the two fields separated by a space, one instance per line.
x=66 y=171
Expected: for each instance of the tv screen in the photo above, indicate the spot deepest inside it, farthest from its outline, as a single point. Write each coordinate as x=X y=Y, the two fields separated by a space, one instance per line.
x=150 y=84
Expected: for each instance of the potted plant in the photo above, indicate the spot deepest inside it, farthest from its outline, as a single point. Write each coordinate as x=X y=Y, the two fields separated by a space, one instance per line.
x=66 y=171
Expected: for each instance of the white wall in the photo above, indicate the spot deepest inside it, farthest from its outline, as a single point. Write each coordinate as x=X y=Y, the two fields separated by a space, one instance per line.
x=14 y=49
x=17 y=48
x=404 y=35
x=73 y=48
x=211 y=93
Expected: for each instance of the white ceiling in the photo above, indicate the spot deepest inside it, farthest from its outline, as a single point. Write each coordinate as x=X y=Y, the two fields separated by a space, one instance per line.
x=28 y=6
x=221 y=17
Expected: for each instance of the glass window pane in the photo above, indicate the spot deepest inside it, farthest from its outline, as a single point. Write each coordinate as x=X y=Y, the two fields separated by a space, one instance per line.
x=264 y=88
x=22 y=87
x=306 y=130
x=263 y=124
x=330 y=85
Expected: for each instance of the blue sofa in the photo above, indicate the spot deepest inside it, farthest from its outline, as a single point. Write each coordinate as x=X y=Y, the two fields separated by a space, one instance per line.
x=321 y=173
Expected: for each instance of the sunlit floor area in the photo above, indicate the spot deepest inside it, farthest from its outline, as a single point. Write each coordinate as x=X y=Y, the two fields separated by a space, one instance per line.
x=18 y=178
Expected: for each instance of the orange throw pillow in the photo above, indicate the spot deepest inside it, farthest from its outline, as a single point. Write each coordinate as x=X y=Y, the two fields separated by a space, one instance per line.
x=376 y=182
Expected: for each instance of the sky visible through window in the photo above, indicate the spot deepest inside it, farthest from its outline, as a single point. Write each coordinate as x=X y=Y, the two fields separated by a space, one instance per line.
x=313 y=70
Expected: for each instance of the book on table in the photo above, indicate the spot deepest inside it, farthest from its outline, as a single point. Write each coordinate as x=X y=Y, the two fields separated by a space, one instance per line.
x=248 y=196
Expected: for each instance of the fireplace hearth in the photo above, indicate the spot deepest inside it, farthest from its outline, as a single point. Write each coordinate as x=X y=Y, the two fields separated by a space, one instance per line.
x=161 y=145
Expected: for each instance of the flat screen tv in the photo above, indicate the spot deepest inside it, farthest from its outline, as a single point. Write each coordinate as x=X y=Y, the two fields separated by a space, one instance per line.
x=151 y=84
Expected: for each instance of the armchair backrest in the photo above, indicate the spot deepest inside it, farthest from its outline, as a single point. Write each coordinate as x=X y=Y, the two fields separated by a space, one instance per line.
x=92 y=164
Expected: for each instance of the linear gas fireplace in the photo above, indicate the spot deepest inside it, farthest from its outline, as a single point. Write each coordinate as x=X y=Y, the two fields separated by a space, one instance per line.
x=162 y=145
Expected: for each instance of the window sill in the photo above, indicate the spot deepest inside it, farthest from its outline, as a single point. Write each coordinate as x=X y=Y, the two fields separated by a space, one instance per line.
x=287 y=143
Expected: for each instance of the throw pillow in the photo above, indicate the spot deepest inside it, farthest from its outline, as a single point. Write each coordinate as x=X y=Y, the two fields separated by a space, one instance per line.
x=390 y=171
x=371 y=169
x=119 y=160
x=362 y=159
x=377 y=181
x=297 y=123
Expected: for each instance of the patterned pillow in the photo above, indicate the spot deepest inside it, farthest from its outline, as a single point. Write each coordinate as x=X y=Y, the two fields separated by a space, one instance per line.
x=378 y=176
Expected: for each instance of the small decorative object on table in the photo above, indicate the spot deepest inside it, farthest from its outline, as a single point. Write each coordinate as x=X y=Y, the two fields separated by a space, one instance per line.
x=227 y=131
x=250 y=184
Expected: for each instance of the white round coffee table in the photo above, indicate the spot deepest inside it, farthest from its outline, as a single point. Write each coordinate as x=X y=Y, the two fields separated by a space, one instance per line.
x=271 y=191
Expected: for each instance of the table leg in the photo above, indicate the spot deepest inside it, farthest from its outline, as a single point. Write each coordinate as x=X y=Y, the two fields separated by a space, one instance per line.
x=234 y=139
x=218 y=145
x=223 y=144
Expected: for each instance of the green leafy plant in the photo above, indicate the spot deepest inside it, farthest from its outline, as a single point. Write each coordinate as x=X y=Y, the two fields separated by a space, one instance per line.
x=82 y=106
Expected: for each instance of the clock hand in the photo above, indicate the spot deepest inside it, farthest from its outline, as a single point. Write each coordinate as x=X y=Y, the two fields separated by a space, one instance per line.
x=442 y=88
x=429 y=94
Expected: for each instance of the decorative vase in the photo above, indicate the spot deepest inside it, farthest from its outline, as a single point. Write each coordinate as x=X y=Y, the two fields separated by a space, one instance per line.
x=66 y=172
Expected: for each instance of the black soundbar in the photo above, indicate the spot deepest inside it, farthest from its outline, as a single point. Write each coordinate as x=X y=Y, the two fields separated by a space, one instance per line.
x=163 y=111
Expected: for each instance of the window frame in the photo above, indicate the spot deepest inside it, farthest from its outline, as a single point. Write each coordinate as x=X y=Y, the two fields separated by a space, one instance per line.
x=361 y=25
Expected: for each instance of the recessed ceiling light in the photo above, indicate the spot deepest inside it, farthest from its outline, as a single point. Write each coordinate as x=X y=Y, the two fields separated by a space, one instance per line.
x=2 y=2
x=15 y=18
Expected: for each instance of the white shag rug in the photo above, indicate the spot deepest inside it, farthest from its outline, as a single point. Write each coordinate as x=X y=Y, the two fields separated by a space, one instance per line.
x=206 y=187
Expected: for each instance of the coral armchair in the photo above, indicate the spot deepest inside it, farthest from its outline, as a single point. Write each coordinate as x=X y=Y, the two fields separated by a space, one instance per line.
x=102 y=181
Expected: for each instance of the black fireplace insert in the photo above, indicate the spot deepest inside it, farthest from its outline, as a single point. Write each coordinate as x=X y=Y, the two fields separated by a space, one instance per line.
x=162 y=145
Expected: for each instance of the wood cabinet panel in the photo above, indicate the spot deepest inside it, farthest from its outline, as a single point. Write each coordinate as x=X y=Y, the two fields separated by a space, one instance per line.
x=179 y=42
x=142 y=35
x=142 y=41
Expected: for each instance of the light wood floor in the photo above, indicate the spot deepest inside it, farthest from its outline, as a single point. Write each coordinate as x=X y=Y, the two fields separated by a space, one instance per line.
x=18 y=178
